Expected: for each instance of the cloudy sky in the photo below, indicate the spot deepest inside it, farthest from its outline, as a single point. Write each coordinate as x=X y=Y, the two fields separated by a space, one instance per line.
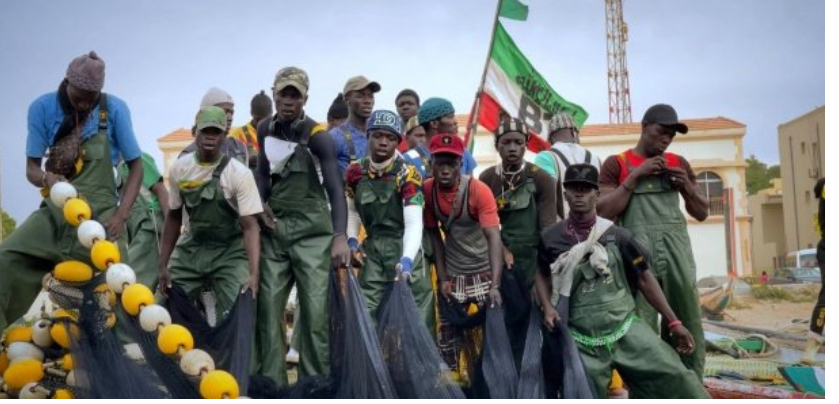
x=760 y=62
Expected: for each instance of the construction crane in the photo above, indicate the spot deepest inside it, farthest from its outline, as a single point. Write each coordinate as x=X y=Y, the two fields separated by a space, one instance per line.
x=620 y=107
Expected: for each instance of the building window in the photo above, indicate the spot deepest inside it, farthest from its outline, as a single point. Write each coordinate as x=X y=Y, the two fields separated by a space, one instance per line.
x=710 y=185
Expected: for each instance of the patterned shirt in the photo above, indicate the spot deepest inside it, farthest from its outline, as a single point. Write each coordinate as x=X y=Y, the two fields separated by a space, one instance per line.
x=408 y=179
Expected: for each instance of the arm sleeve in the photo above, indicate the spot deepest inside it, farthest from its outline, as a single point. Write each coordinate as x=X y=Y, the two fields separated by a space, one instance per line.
x=482 y=205
x=545 y=161
x=610 y=173
x=353 y=220
x=120 y=117
x=262 y=173
x=546 y=198
x=37 y=141
x=323 y=148
x=412 y=239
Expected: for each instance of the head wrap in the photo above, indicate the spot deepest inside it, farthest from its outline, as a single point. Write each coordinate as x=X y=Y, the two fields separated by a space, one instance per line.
x=87 y=72
x=511 y=125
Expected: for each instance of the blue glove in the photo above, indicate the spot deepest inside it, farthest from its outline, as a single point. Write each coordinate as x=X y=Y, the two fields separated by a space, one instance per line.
x=353 y=244
x=407 y=265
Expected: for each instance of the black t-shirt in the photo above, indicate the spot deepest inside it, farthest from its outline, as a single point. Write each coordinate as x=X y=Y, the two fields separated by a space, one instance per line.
x=819 y=192
x=556 y=240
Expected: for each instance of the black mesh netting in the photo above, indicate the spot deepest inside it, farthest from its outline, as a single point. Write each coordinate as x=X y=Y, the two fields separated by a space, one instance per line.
x=516 y=297
x=102 y=369
x=415 y=365
x=498 y=368
x=531 y=378
x=316 y=387
x=360 y=369
x=565 y=375
x=230 y=342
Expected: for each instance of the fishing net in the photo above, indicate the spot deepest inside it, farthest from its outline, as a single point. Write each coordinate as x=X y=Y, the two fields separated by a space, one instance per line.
x=565 y=376
x=531 y=384
x=359 y=364
x=514 y=293
x=498 y=368
x=316 y=387
x=230 y=342
x=415 y=365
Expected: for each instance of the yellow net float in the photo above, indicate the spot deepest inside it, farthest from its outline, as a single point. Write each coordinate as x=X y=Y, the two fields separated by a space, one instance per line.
x=105 y=293
x=76 y=211
x=58 y=330
x=73 y=272
x=219 y=384
x=154 y=317
x=174 y=339
x=61 y=192
x=18 y=333
x=135 y=297
x=120 y=276
x=22 y=373
x=89 y=232
x=104 y=254
x=63 y=394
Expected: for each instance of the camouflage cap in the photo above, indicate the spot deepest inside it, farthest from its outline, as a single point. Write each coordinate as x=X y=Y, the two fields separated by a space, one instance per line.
x=211 y=117
x=291 y=76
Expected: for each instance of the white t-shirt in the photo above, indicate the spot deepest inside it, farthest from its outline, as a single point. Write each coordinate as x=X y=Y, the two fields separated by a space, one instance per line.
x=236 y=181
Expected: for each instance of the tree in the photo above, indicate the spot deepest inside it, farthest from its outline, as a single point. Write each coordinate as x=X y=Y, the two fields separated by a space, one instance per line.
x=9 y=224
x=759 y=175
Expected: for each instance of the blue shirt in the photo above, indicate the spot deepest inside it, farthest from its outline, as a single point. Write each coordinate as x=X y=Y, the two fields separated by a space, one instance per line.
x=359 y=139
x=45 y=116
x=415 y=156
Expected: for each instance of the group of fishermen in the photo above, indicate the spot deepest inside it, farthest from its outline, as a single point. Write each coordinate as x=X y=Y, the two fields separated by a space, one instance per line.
x=284 y=200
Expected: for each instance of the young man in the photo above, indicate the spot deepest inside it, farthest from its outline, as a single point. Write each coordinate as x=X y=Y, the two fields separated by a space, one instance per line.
x=221 y=248
x=145 y=224
x=565 y=151
x=469 y=260
x=384 y=194
x=816 y=337
x=407 y=103
x=261 y=108
x=337 y=114
x=306 y=240
x=350 y=139
x=641 y=189
x=417 y=154
x=436 y=115
x=526 y=200
x=87 y=133
x=594 y=266
x=230 y=147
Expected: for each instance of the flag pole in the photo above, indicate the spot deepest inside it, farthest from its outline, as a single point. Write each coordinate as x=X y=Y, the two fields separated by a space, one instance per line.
x=476 y=106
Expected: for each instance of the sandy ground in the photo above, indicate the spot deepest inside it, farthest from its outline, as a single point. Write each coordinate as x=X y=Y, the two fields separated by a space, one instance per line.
x=782 y=316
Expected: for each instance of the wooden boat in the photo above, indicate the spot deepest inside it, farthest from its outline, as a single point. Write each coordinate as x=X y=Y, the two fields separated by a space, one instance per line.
x=716 y=300
x=726 y=390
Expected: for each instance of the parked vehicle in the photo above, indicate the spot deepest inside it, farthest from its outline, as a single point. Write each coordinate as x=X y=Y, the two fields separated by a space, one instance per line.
x=798 y=275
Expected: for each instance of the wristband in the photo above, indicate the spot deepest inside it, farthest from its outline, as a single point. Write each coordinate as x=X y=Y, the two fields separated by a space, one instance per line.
x=673 y=324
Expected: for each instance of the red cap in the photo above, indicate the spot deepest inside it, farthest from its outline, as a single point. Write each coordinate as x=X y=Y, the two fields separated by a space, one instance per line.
x=446 y=143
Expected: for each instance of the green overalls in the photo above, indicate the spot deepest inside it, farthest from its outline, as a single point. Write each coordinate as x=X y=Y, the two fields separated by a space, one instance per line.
x=45 y=238
x=654 y=216
x=211 y=256
x=144 y=230
x=298 y=252
x=379 y=204
x=519 y=214
x=610 y=337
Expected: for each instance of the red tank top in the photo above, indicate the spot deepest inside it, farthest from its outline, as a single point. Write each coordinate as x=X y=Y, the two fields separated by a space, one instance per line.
x=630 y=159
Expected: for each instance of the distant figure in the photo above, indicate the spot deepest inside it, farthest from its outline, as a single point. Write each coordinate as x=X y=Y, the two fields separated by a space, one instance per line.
x=764 y=278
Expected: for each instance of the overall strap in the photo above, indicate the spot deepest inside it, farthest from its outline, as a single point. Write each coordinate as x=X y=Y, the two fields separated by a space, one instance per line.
x=225 y=159
x=350 y=144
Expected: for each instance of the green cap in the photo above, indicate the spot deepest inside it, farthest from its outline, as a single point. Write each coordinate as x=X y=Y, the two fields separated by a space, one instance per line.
x=211 y=117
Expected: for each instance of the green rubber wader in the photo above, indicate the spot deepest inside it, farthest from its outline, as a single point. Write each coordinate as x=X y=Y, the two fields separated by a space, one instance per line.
x=654 y=216
x=379 y=204
x=297 y=252
x=46 y=239
x=600 y=306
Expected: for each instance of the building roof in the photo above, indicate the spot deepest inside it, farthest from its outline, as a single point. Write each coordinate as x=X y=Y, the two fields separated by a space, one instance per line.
x=179 y=135
x=635 y=128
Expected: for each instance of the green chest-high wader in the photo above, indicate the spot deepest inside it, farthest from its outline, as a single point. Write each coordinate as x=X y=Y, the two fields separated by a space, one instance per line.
x=144 y=230
x=45 y=238
x=611 y=337
x=519 y=215
x=211 y=256
x=655 y=217
x=298 y=252
x=379 y=203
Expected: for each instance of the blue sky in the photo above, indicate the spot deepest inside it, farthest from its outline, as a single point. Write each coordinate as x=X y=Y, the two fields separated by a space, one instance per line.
x=760 y=62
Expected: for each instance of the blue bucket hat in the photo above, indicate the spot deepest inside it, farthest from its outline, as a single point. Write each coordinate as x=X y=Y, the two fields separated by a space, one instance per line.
x=387 y=121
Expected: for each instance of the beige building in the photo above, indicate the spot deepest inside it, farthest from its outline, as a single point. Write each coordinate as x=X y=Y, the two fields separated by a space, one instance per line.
x=714 y=148
x=802 y=150
x=769 y=240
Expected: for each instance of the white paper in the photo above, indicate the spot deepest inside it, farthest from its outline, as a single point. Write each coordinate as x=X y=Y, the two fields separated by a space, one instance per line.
x=278 y=152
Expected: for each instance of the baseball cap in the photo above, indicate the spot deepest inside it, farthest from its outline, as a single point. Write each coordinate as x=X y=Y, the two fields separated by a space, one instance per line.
x=359 y=83
x=582 y=174
x=291 y=76
x=664 y=115
x=387 y=121
x=446 y=143
x=211 y=117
